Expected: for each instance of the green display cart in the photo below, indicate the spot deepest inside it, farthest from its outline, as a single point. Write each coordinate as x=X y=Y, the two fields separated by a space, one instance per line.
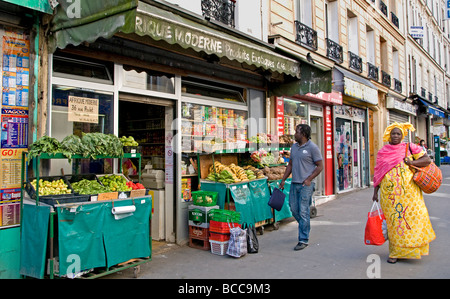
x=86 y=239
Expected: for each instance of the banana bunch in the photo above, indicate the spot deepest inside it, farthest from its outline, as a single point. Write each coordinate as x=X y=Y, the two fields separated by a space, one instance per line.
x=238 y=172
x=222 y=173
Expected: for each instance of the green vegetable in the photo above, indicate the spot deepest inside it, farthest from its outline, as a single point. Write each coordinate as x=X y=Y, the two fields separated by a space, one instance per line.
x=45 y=144
x=89 y=187
x=101 y=144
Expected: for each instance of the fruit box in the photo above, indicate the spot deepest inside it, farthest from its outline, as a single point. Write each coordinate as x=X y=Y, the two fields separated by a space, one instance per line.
x=32 y=191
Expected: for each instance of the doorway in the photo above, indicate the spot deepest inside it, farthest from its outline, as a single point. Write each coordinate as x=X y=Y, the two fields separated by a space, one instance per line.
x=316 y=123
x=149 y=120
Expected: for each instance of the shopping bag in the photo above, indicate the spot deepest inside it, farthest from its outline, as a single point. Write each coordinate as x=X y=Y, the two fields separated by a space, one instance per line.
x=252 y=240
x=373 y=234
x=276 y=200
x=237 y=245
x=428 y=178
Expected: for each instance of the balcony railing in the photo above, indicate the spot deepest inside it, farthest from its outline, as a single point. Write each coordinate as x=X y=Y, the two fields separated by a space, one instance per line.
x=397 y=85
x=394 y=19
x=355 y=62
x=219 y=10
x=385 y=79
x=372 y=71
x=306 y=36
x=334 y=51
x=383 y=8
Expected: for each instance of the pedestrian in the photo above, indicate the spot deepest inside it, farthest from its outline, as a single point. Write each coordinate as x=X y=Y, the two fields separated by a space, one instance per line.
x=305 y=164
x=423 y=145
x=408 y=224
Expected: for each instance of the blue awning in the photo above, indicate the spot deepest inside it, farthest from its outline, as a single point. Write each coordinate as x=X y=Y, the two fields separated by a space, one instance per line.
x=433 y=110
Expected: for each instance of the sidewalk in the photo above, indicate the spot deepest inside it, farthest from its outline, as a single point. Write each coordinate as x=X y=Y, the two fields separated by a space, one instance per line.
x=336 y=248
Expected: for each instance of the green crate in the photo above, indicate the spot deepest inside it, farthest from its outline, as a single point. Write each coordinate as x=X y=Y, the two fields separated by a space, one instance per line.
x=205 y=198
x=225 y=216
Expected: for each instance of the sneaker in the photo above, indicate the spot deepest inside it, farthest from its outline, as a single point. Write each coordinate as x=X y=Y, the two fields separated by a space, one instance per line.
x=300 y=246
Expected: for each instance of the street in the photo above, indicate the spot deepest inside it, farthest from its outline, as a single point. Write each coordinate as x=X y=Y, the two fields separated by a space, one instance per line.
x=336 y=248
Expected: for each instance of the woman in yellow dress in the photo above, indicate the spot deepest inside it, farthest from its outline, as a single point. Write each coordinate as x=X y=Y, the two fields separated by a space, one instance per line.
x=408 y=224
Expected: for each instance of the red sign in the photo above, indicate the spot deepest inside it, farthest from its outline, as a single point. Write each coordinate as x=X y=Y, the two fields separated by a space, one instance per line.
x=328 y=152
x=280 y=116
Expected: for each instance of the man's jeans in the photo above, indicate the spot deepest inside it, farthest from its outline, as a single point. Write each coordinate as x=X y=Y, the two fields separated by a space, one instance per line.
x=300 y=199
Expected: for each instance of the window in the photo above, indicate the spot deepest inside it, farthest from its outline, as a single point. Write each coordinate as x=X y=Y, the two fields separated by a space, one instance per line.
x=353 y=41
x=71 y=68
x=203 y=88
x=149 y=80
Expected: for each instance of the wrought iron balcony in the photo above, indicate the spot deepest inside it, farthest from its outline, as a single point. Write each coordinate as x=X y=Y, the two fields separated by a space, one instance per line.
x=334 y=51
x=372 y=71
x=394 y=19
x=423 y=92
x=355 y=62
x=397 y=85
x=306 y=36
x=219 y=10
x=383 y=8
x=385 y=79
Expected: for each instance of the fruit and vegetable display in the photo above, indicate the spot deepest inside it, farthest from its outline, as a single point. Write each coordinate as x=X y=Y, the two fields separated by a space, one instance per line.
x=86 y=186
x=115 y=182
x=274 y=173
x=55 y=187
x=89 y=145
x=232 y=173
x=135 y=186
x=128 y=141
x=263 y=158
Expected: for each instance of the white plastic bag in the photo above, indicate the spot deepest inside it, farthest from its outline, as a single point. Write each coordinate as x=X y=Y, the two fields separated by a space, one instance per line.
x=237 y=245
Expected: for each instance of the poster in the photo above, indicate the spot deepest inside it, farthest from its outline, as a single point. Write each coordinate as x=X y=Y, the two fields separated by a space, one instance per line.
x=14 y=87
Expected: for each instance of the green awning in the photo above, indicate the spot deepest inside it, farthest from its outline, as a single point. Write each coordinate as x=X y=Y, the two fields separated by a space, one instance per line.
x=38 y=5
x=100 y=19
x=313 y=80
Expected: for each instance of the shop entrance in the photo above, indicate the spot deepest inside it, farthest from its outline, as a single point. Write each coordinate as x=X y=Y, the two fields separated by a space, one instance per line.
x=148 y=121
x=316 y=124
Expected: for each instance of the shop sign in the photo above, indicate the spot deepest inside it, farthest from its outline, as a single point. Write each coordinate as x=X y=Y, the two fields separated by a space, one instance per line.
x=203 y=39
x=83 y=110
x=329 y=97
x=392 y=103
x=280 y=116
x=360 y=91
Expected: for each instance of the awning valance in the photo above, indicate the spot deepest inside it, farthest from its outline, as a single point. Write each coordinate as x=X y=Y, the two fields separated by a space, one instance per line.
x=355 y=86
x=432 y=110
x=104 y=19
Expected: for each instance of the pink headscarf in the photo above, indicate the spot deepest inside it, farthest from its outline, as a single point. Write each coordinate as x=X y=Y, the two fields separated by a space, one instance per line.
x=389 y=156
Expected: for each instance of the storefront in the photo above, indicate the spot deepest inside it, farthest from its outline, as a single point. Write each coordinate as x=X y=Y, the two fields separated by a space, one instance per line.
x=168 y=80
x=400 y=111
x=351 y=130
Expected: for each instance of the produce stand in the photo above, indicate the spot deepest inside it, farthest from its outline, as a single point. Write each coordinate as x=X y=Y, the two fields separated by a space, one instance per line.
x=250 y=198
x=85 y=239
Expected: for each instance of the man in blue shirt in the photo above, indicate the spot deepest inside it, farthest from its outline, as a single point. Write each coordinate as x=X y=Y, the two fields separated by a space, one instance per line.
x=305 y=164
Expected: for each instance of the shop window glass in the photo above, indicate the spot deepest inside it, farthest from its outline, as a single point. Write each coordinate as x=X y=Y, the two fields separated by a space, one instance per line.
x=295 y=113
x=76 y=69
x=343 y=143
x=64 y=123
x=207 y=128
x=196 y=87
x=149 y=80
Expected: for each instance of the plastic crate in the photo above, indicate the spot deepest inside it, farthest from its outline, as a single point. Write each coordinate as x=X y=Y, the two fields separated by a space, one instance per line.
x=219 y=248
x=199 y=198
x=221 y=227
x=32 y=192
x=219 y=236
x=63 y=199
x=221 y=215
